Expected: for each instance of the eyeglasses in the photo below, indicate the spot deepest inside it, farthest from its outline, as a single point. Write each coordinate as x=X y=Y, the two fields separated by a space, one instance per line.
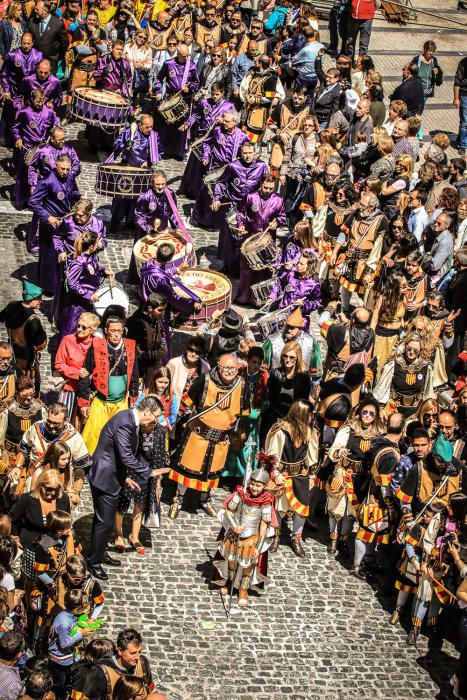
x=289 y=357
x=196 y=351
x=431 y=415
x=172 y=43
x=397 y=228
x=368 y=413
x=437 y=223
x=228 y=370
x=80 y=327
x=217 y=55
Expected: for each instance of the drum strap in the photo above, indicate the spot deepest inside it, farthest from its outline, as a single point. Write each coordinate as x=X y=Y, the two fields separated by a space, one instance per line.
x=177 y=216
x=185 y=72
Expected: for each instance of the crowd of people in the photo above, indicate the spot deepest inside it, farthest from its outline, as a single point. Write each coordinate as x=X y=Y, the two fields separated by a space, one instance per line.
x=341 y=403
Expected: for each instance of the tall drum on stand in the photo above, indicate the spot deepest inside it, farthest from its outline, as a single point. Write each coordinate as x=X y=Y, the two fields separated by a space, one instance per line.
x=102 y=108
x=116 y=180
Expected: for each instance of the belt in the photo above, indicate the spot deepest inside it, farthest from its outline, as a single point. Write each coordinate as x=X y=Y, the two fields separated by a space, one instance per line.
x=87 y=67
x=404 y=399
x=356 y=466
x=208 y=433
x=295 y=468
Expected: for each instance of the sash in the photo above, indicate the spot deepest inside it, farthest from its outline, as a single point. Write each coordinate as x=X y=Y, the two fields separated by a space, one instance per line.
x=177 y=282
x=177 y=216
x=153 y=148
x=185 y=73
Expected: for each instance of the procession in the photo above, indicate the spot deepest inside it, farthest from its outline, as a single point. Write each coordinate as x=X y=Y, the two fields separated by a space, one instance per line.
x=237 y=363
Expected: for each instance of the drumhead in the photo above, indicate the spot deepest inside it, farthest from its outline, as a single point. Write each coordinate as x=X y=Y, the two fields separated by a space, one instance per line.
x=101 y=97
x=108 y=297
x=170 y=102
x=124 y=169
x=256 y=242
x=210 y=286
x=146 y=249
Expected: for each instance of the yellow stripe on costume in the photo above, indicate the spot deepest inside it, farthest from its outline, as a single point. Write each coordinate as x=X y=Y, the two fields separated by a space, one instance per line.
x=305 y=207
x=324 y=328
x=404 y=497
x=384 y=479
x=270 y=94
x=98 y=599
x=411 y=540
x=41 y=567
x=351 y=286
x=295 y=504
x=405 y=587
x=333 y=423
x=196 y=484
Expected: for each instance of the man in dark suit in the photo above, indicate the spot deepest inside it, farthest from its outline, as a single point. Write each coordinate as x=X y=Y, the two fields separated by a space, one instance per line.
x=49 y=33
x=116 y=455
x=410 y=90
x=327 y=99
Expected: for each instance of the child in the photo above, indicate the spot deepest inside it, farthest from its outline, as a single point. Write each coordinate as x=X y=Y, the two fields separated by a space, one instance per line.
x=76 y=577
x=62 y=644
x=8 y=551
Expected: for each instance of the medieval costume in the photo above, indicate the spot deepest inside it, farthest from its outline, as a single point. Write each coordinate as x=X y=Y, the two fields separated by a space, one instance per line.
x=113 y=378
x=408 y=567
x=153 y=342
x=255 y=214
x=311 y=352
x=175 y=76
x=241 y=559
x=345 y=346
x=405 y=384
x=14 y=421
x=281 y=393
x=288 y=119
x=260 y=88
x=200 y=457
x=81 y=57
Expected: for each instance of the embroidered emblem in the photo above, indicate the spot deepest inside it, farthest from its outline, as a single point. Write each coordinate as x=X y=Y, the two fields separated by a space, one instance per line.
x=61 y=195
x=236 y=181
x=255 y=207
x=152 y=206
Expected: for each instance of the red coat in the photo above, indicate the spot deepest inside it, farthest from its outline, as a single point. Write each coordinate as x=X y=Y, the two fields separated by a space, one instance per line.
x=363 y=9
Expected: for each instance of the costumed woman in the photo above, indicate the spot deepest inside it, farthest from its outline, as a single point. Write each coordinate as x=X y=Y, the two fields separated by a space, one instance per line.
x=298 y=287
x=388 y=317
x=293 y=442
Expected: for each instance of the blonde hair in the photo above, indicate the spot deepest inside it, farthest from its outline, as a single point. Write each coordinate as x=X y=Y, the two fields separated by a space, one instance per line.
x=374 y=77
x=293 y=346
x=425 y=329
x=11 y=9
x=427 y=405
x=325 y=151
x=298 y=421
x=385 y=145
x=90 y=320
x=441 y=140
x=49 y=478
x=407 y=163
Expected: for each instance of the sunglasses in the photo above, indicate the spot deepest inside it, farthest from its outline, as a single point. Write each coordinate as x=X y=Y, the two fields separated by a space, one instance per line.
x=50 y=490
x=289 y=357
x=368 y=413
x=83 y=328
x=196 y=351
x=431 y=415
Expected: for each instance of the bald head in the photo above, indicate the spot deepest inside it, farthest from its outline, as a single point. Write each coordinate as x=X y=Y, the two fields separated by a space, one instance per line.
x=252 y=47
x=43 y=70
x=182 y=53
x=57 y=137
x=228 y=368
x=361 y=316
x=163 y=18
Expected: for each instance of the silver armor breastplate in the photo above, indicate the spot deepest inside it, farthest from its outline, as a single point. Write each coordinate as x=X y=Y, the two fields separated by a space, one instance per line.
x=251 y=519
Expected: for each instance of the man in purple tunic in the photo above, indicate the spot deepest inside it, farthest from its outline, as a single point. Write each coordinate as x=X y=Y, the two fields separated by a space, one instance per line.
x=42 y=163
x=44 y=80
x=259 y=211
x=51 y=200
x=137 y=145
x=18 y=65
x=207 y=113
x=219 y=149
x=238 y=179
x=73 y=226
x=178 y=74
x=31 y=128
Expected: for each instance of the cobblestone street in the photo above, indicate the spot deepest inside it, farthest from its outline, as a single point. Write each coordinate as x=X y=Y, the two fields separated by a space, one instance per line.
x=317 y=632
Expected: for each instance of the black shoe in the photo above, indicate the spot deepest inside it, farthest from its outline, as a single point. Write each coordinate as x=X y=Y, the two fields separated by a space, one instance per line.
x=357 y=573
x=412 y=636
x=98 y=572
x=111 y=561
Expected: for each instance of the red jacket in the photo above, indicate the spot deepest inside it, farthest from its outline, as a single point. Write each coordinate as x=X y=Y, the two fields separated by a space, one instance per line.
x=363 y=9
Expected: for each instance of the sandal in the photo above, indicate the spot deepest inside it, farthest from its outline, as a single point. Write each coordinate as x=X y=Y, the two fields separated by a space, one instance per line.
x=137 y=546
x=119 y=545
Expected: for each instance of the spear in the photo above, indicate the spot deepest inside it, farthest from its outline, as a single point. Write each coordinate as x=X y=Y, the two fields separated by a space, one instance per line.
x=250 y=445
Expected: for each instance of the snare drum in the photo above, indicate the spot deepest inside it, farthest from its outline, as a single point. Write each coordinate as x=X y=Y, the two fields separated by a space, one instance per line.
x=116 y=180
x=231 y=220
x=214 y=290
x=110 y=294
x=173 y=109
x=100 y=108
x=146 y=249
x=213 y=176
x=262 y=290
x=259 y=251
x=272 y=322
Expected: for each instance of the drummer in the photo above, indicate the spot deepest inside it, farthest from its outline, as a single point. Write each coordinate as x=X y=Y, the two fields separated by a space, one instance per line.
x=208 y=112
x=260 y=211
x=156 y=204
x=180 y=76
x=87 y=39
x=220 y=148
x=44 y=80
x=239 y=179
x=137 y=145
x=40 y=167
x=82 y=219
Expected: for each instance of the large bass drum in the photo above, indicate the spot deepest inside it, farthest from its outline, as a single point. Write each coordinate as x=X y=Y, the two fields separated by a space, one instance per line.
x=116 y=180
x=146 y=249
x=103 y=108
x=214 y=290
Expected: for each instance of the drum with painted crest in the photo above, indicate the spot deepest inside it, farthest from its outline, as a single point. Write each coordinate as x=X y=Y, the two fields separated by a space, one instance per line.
x=272 y=322
x=262 y=290
x=259 y=250
x=214 y=291
x=111 y=293
x=126 y=181
x=146 y=249
x=174 y=109
x=103 y=108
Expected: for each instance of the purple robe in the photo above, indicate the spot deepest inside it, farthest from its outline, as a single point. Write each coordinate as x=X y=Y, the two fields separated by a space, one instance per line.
x=156 y=279
x=237 y=180
x=16 y=67
x=44 y=161
x=292 y=251
x=173 y=76
x=83 y=275
x=203 y=117
x=290 y=288
x=134 y=151
x=113 y=75
x=151 y=206
x=51 y=87
x=255 y=214
x=219 y=149
x=65 y=235
x=52 y=197
x=33 y=128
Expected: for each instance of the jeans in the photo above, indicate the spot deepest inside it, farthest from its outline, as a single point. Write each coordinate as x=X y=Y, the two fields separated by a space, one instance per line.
x=462 y=138
x=310 y=85
x=354 y=28
x=337 y=28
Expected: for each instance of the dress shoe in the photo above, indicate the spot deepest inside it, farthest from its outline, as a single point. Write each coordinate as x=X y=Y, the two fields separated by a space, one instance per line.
x=98 y=572
x=297 y=547
x=357 y=573
x=111 y=561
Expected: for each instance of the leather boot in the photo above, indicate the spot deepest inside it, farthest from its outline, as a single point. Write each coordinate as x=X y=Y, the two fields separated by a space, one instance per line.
x=174 y=508
x=275 y=543
x=209 y=509
x=297 y=547
x=395 y=617
x=413 y=636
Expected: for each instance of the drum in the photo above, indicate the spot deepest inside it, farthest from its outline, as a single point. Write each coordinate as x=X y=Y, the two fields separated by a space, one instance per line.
x=146 y=249
x=117 y=180
x=213 y=176
x=272 y=322
x=100 y=108
x=109 y=294
x=213 y=288
x=262 y=290
x=231 y=220
x=259 y=251
x=173 y=109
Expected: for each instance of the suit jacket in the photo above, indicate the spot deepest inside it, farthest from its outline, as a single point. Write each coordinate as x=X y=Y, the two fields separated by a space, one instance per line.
x=53 y=42
x=326 y=104
x=411 y=92
x=115 y=454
